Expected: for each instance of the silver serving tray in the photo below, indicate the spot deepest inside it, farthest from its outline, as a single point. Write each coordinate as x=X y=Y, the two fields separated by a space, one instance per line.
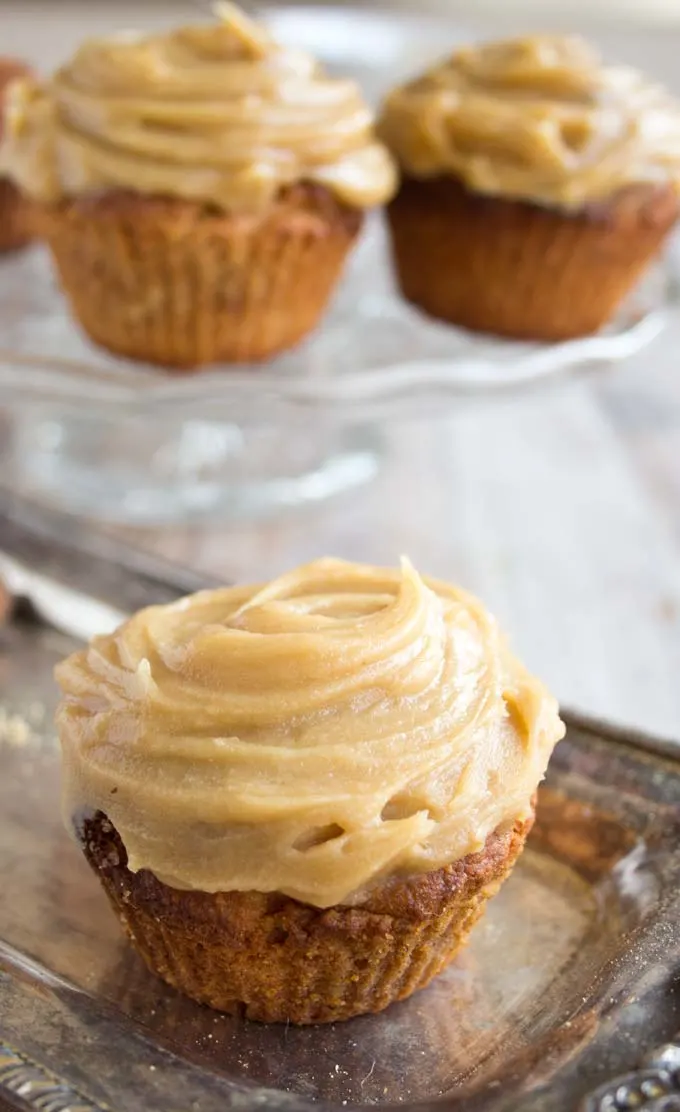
x=568 y=981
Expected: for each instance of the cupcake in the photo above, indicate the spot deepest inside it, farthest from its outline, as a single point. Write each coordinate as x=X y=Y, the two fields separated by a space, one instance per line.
x=538 y=184
x=16 y=211
x=199 y=190
x=298 y=797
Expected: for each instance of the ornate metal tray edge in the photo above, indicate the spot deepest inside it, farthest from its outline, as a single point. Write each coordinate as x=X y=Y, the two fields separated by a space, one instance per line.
x=26 y=1084
x=652 y=1087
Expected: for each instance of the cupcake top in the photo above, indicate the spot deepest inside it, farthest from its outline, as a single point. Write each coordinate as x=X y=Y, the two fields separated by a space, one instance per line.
x=218 y=113
x=342 y=724
x=538 y=119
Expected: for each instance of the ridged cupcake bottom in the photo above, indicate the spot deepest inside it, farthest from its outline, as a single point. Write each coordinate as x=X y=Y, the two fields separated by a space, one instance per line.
x=171 y=282
x=16 y=218
x=274 y=959
x=518 y=269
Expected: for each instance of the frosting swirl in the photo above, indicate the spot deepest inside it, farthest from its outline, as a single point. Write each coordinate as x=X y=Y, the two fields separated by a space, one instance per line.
x=218 y=113
x=539 y=119
x=342 y=724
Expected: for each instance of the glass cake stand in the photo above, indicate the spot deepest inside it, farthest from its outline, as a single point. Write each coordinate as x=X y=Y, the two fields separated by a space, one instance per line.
x=124 y=442
x=120 y=441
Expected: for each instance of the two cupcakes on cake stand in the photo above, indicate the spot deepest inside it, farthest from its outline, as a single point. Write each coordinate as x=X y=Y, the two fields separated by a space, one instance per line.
x=200 y=192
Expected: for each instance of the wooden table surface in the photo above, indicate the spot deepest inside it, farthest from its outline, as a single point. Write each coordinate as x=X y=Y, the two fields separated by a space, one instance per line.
x=560 y=508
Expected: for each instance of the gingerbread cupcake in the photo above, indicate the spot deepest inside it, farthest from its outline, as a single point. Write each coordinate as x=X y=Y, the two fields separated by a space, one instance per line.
x=299 y=797
x=538 y=184
x=200 y=190
x=16 y=211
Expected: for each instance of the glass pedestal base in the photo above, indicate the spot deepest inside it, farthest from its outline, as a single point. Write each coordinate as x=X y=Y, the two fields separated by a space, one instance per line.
x=147 y=472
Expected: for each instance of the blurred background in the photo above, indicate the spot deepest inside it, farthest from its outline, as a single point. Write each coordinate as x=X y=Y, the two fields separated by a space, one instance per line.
x=560 y=507
x=47 y=29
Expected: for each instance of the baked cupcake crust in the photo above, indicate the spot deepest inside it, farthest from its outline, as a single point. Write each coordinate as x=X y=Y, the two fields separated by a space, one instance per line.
x=16 y=210
x=271 y=958
x=17 y=218
x=177 y=283
x=518 y=269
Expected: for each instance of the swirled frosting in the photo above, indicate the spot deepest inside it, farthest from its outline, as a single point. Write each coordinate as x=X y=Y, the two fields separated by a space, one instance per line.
x=539 y=119
x=217 y=113
x=342 y=724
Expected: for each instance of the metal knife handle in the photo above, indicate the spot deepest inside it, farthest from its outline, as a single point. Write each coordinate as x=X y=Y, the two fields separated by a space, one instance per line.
x=79 y=580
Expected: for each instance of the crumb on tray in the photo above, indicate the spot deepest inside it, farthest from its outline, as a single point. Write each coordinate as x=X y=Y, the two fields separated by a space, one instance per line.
x=15 y=731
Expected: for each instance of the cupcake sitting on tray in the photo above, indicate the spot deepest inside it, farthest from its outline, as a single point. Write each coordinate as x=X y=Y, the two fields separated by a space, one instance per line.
x=199 y=190
x=538 y=185
x=299 y=797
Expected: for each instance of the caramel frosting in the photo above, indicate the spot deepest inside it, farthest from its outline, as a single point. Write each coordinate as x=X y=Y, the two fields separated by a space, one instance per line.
x=218 y=113
x=340 y=725
x=538 y=119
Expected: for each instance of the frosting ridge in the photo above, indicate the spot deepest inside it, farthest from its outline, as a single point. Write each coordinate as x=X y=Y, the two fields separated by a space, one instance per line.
x=539 y=118
x=338 y=725
x=218 y=113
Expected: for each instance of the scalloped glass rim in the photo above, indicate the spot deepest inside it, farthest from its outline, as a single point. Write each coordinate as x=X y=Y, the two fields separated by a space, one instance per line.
x=372 y=354
x=222 y=386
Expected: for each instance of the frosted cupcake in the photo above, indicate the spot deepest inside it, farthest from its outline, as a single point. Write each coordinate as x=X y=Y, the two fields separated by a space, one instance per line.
x=299 y=797
x=538 y=184
x=200 y=190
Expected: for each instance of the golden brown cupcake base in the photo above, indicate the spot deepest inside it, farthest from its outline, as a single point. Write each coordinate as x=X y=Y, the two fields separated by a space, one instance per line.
x=517 y=269
x=16 y=211
x=16 y=218
x=274 y=959
x=171 y=282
